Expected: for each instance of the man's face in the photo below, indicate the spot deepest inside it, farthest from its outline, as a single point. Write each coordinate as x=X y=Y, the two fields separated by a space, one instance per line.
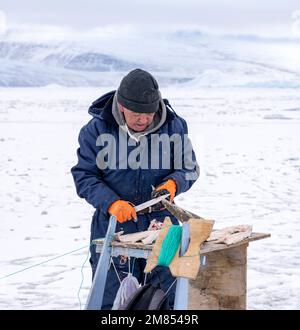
x=137 y=121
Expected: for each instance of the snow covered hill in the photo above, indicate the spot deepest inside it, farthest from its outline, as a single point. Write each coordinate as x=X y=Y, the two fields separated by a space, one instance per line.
x=193 y=58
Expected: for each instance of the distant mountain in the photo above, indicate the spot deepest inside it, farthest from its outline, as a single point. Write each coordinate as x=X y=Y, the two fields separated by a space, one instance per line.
x=189 y=58
x=36 y=64
x=99 y=62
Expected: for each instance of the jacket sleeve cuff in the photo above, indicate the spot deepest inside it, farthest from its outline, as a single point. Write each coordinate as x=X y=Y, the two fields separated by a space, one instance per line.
x=107 y=203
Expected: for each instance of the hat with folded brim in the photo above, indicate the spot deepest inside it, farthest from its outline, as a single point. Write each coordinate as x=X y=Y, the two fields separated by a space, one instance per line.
x=138 y=92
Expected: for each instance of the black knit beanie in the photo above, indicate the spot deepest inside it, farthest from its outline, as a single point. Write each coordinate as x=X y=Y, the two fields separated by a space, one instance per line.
x=139 y=92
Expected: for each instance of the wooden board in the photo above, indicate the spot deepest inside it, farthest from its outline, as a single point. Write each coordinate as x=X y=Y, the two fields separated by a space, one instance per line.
x=211 y=246
x=205 y=248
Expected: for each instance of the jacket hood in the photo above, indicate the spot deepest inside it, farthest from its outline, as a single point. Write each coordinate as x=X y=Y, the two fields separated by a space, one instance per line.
x=101 y=105
x=102 y=108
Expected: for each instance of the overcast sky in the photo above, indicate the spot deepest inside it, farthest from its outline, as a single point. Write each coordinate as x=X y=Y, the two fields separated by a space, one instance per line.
x=265 y=17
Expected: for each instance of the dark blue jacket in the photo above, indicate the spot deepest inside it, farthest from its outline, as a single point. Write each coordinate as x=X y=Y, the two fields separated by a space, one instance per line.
x=101 y=188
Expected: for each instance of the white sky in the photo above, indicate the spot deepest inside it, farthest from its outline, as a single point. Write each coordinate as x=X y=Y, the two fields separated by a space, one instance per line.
x=262 y=17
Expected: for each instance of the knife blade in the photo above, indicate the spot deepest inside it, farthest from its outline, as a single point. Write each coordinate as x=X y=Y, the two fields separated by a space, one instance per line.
x=150 y=202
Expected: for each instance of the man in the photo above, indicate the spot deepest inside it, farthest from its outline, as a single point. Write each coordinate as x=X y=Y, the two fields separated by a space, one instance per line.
x=134 y=142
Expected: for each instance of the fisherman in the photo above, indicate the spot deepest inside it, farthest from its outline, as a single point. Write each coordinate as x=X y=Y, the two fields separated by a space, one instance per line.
x=134 y=148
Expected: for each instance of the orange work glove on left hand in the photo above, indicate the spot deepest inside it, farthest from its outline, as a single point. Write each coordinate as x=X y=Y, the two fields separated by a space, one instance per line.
x=122 y=210
x=170 y=186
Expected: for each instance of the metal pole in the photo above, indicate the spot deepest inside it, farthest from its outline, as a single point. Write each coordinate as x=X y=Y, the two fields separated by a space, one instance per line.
x=182 y=285
x=96 y=293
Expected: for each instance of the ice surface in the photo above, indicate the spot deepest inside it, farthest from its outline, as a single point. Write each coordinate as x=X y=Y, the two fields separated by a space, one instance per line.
x=249 y=155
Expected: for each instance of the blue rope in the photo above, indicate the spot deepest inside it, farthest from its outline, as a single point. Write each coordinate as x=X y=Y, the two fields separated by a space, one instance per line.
x=42 y=263
x=82 y=278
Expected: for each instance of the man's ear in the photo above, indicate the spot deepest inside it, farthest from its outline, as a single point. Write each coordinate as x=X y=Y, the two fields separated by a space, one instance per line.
x=120 y=107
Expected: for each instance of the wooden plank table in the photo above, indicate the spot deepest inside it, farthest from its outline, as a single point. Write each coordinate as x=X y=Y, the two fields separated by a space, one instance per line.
x=222 y=279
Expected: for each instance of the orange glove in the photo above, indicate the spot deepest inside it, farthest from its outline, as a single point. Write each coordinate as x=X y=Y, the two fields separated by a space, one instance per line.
x=122 y=210
x=170 y=186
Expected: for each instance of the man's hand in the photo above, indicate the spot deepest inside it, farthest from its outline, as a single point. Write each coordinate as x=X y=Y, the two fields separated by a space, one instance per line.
x=168 y=187
x=122 y=210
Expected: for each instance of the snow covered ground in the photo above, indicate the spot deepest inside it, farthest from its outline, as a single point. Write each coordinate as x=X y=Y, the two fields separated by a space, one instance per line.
x=247 y=144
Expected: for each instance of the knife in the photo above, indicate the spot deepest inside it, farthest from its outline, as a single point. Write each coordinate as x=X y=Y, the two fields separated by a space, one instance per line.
x=150 y=202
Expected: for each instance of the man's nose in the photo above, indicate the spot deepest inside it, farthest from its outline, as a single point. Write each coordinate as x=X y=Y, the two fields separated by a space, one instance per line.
x=143 y=119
